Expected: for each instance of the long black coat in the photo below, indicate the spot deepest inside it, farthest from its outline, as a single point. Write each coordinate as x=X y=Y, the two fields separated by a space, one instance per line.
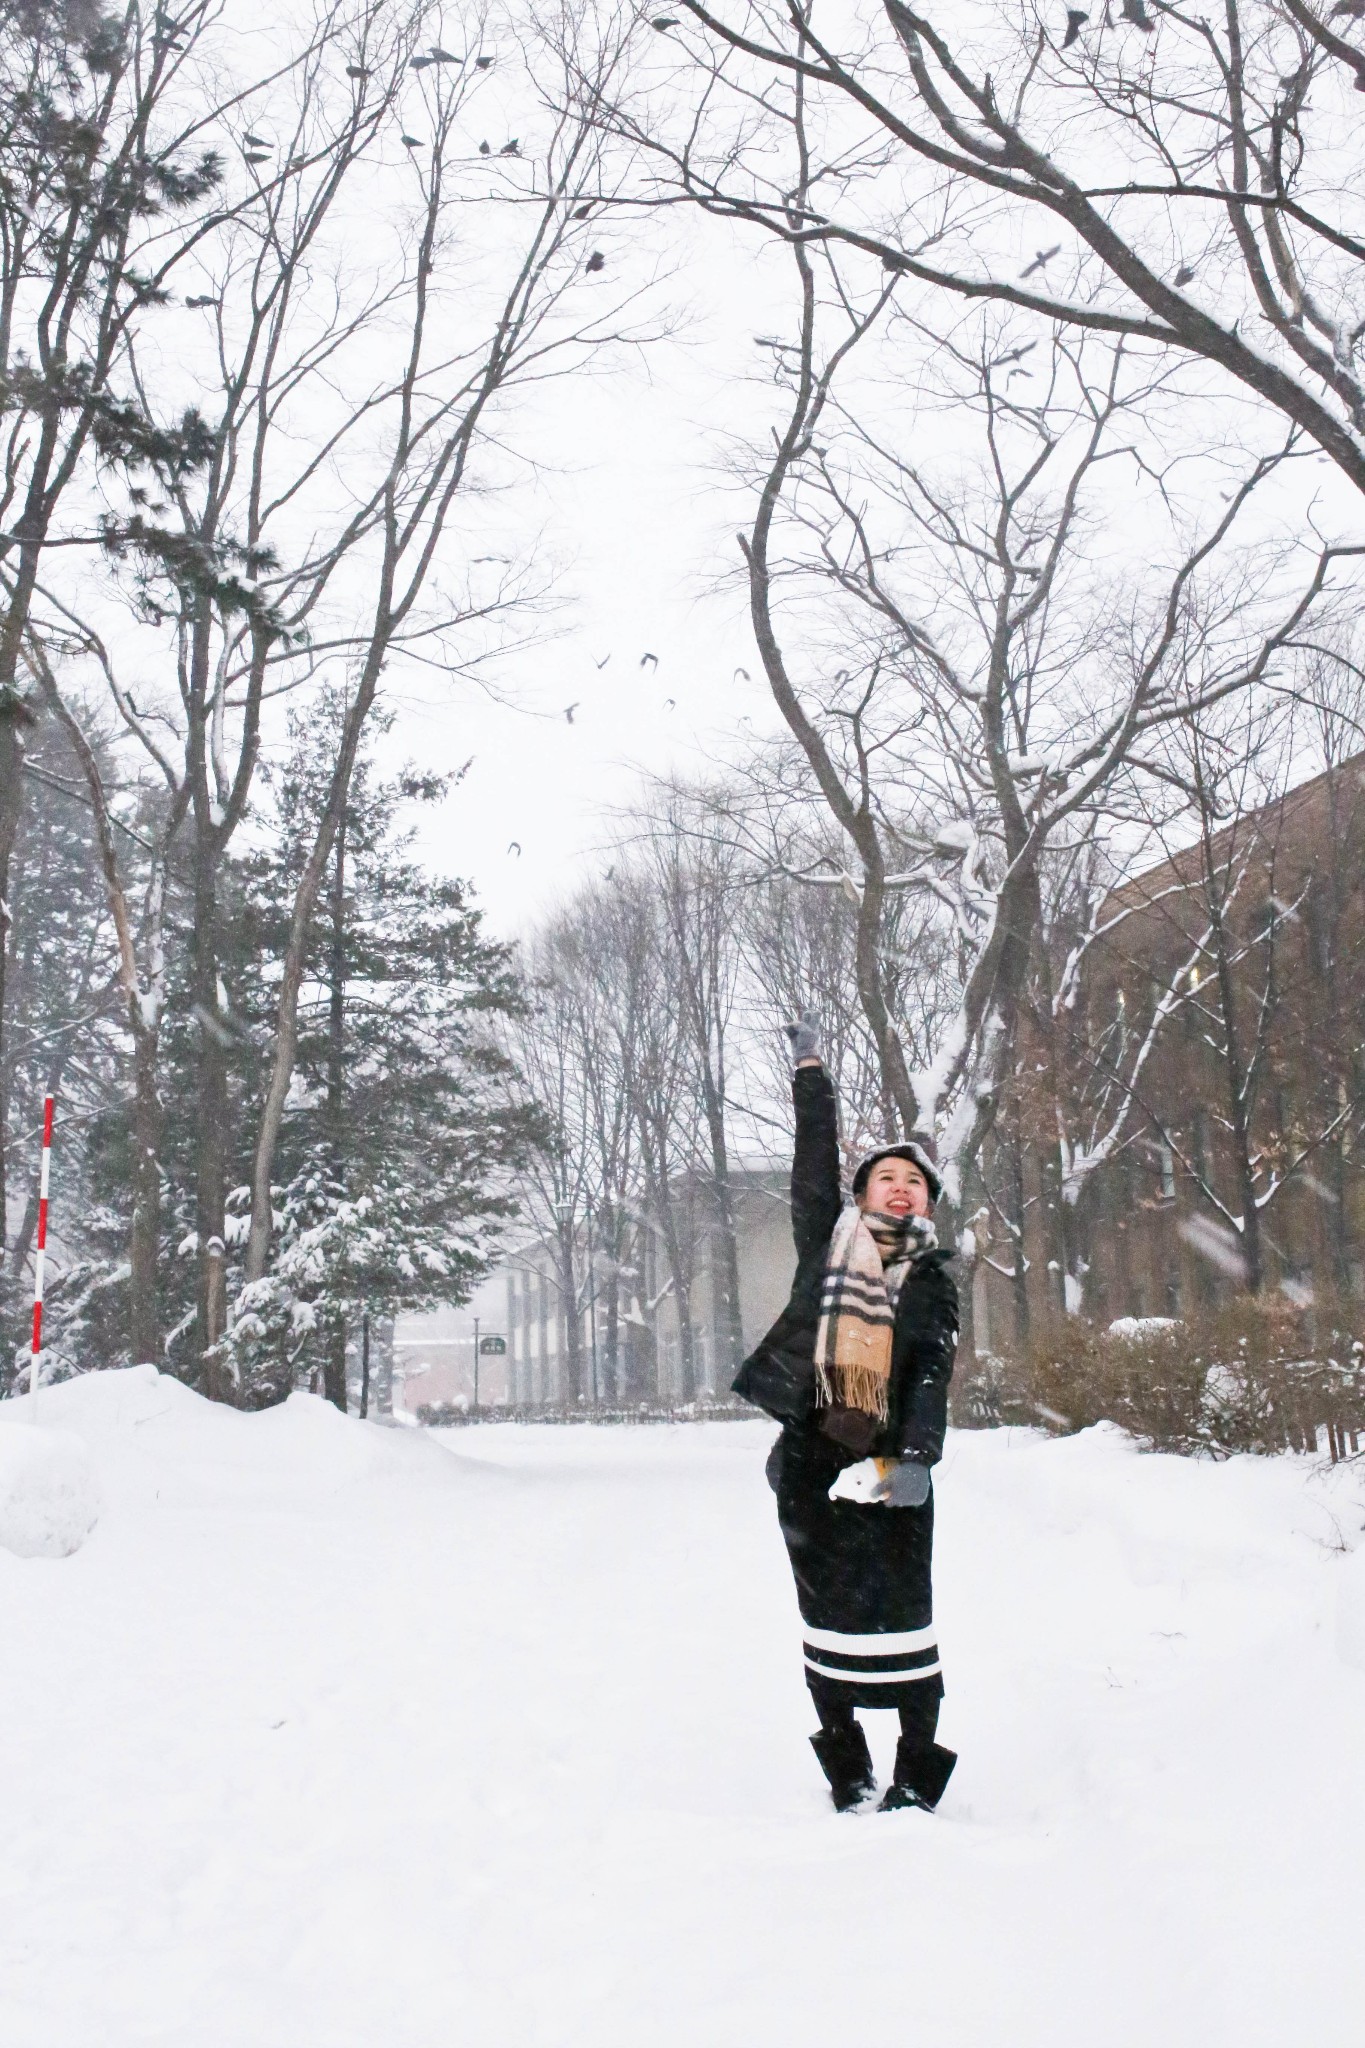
x=863 y=1573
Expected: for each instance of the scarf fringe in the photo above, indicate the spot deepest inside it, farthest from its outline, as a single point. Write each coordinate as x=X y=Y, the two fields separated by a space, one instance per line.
x=869 y=1257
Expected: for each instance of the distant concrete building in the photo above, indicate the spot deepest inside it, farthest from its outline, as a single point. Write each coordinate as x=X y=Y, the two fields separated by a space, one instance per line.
x=629 y=1327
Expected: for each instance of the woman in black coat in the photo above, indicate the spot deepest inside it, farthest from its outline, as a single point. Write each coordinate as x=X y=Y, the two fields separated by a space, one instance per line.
x=856 y=1369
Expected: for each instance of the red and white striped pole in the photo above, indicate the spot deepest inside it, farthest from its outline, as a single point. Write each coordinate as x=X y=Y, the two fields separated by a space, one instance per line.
x=40 y=1253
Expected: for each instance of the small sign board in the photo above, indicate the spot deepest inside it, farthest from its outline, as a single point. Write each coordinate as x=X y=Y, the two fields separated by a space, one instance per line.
x=492 y=1347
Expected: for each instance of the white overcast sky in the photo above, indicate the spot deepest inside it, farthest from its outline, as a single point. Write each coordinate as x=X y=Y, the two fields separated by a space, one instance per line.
x=633 y=505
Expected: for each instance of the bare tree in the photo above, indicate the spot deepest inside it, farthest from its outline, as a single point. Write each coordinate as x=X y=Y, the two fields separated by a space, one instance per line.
x=1152 y=172
x=991 y=687
x=1237 y=902
x=108 y=179
x=436 y=418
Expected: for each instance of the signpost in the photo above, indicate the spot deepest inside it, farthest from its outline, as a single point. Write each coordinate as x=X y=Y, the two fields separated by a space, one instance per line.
x=485 y=1347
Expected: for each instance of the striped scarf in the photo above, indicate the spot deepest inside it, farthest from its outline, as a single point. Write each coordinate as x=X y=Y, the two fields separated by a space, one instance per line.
x=869 y=1257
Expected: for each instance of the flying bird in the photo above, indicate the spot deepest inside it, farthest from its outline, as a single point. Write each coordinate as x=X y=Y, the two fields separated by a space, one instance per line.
x=646 y=658
x=597 y=261
x=1041 y=260
x=514 y=846
x=1185 y=275
x=603 y=662
x=745 y=673
x=569 y=709
x=1075 y=22
x=670 y=703
x=1134 y=11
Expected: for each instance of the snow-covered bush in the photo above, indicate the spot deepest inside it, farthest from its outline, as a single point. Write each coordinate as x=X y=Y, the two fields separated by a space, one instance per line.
x=1256 y=1375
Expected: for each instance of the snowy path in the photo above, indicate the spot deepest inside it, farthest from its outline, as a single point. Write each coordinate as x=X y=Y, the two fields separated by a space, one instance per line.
x=339 y=1738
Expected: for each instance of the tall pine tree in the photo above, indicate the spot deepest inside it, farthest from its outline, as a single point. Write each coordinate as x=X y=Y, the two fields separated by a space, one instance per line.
x=403 y=1122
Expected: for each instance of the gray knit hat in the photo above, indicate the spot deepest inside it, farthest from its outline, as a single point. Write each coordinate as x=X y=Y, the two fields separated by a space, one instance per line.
x=911 y=1150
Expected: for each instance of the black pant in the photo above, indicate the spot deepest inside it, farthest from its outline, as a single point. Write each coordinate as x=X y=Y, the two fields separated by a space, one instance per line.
x=919 y=1718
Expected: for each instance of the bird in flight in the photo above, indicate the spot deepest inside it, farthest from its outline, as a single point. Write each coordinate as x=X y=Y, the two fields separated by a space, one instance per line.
x=1041 y=260
x=514 y=846
x=603 y=662
x=569 y=709
x=670 y=703
x=645 y=659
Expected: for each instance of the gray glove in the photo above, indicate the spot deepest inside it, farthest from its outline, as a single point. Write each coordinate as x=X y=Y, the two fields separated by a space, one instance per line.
x=906 y=1485
x=805 y=1037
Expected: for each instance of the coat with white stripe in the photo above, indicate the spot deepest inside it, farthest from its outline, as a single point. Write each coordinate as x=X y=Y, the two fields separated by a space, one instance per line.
x=863 y=1573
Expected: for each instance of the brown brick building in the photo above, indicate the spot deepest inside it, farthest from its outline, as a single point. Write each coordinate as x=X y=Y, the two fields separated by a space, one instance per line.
x=1193 y=1123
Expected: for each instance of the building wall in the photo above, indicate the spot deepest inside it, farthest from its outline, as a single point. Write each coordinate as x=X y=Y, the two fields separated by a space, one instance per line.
x=1146 y=1236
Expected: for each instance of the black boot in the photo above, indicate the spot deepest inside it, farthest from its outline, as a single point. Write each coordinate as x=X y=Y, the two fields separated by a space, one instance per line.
x=921 y=1776
x=847 y=1763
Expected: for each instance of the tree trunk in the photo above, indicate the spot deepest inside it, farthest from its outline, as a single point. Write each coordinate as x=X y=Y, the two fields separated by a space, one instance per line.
x=334 y=1369
x=1238 y=1121
x=211 y=1136
x=295 y=953
x=1019 y=1277
x=145 y=1236
x=682 y=1296
x=573 y=1328
x=14 y=717
x=611 y=1308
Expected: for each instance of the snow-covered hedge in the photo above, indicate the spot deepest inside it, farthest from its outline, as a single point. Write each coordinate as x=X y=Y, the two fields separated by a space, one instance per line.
x=1254 y=1376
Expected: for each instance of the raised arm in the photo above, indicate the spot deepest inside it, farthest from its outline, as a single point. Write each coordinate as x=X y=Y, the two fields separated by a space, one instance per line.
x=816 y=1196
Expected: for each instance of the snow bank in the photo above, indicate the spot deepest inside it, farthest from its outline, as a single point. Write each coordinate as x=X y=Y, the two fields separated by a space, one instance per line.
x=49 y=1494
x=1351 y=1612
x=341 y=1734
x=156 y=1441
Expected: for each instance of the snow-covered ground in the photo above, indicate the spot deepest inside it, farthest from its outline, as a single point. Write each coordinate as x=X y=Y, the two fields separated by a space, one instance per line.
x=338 y=1737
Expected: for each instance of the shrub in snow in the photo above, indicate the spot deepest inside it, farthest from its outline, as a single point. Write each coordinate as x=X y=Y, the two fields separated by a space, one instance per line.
x=1256 y=1375
x=49 y=1495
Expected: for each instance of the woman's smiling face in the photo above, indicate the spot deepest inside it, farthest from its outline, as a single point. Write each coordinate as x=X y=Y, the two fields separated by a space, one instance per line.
x=896 y=1187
